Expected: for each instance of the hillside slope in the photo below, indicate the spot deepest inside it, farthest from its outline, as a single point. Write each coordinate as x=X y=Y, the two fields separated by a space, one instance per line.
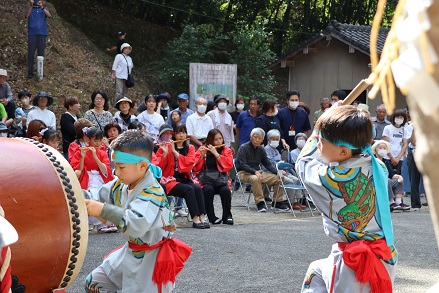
x=74 y=65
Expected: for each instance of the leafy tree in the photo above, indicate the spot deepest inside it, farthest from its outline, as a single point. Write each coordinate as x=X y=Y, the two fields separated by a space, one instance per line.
x=248 y=49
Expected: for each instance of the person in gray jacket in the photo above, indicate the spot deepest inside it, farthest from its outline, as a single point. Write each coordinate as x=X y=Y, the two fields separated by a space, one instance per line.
x=250 y=156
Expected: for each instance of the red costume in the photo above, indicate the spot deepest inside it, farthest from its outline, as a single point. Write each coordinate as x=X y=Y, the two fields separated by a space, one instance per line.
x=74 y=147
x=90 y=164
x=185 y=165
x=225 y=163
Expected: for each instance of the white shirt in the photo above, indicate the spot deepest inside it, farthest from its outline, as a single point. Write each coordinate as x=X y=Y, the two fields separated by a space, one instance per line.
x=120 y=66
x=223 y=122
x=152 y=122
x=395 y=136
x=199 y=126
x=45 y=115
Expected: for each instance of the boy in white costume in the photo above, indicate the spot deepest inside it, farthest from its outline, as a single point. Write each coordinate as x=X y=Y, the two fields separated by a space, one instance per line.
x=136 y=203
x=349 y=188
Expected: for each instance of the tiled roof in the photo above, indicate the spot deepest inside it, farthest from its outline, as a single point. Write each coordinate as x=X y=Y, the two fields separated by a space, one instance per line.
x=357 y=36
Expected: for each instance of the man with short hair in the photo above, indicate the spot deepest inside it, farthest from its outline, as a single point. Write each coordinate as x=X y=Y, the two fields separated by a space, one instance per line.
x=121 y=36
x=37 y=32
x=246 y=121
x=293 y=119
x=324 y=104
x=183 y=102
x=338 y=95
x=380 y=121
x=199 y=124
x=250 y=156
x=222 y=120
x=5 y=88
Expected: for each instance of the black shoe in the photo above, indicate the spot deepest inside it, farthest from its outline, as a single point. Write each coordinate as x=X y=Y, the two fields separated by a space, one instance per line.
x=206 y=225
x=228 y=221
x=425 y=204
x=216 y=221
x=30 y=76
x=261 y=207
x=199 y=225
x=281 y=207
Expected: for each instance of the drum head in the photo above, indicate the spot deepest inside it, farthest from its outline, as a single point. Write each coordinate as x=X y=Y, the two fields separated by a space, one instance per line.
x=43 y=200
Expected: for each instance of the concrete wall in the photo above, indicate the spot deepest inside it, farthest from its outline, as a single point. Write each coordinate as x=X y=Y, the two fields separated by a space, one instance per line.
x=330 y=67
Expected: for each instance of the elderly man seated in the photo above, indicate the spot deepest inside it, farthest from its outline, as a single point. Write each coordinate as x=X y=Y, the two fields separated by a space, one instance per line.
x=250 y=155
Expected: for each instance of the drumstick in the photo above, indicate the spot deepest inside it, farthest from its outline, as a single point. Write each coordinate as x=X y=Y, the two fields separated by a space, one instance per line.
x=361 y=86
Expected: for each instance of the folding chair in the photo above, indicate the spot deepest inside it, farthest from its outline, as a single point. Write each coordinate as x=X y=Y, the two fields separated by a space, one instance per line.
x=289 y=168
x=174 y=207
x=246 y=199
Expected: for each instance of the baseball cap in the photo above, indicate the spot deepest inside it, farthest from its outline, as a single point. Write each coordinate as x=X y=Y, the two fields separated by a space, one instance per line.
x=120 y=33
x=3 y=72
x=183 y=96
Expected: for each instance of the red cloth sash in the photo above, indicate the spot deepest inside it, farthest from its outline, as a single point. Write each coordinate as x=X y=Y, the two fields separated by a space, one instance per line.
x=364 y=257
x=6 y=282
x=170 y=259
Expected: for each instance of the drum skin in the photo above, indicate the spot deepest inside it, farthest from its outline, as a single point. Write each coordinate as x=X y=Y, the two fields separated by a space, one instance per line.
x=43 y=200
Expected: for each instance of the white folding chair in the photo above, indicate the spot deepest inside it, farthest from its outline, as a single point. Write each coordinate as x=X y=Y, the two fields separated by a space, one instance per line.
x=289 y=168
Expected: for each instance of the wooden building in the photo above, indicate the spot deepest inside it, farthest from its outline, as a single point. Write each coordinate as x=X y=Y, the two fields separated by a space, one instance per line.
x=337 y=58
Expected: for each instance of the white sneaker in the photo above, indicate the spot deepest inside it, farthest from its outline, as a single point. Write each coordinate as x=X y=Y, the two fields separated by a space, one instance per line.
x=107 y=229
x=181 y=213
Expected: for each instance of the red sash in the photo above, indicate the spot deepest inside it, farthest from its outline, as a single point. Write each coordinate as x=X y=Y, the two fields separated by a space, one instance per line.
x=364 y=257
x=170 y=259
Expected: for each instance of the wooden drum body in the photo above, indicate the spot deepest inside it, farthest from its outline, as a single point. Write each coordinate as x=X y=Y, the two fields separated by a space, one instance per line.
x=43 y=200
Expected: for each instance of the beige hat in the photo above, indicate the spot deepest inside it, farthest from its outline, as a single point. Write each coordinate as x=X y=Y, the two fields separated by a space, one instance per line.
x=3 y=72
x=124 y=45
x=378 y=142
x=124 y=99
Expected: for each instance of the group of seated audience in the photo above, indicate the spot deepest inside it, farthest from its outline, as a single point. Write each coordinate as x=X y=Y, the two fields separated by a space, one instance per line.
x=192 y=147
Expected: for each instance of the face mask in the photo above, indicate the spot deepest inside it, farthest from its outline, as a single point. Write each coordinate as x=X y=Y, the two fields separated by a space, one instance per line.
x=274 y=143
x=300 y=143
x=293 y=105
x=25 y=102
x=222 y=106
x=399 y=121
x=382 y=153
x=240 y=106
x=201 y=109
x=275 y=112
x=166 y=137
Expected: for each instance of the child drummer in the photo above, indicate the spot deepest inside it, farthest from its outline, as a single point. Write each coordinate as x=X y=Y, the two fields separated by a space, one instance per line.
x=137 y=204
x=350 y=190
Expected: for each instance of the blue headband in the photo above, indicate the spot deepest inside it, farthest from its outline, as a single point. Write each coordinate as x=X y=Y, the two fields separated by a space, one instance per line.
x=127 y=158
x=380 y=182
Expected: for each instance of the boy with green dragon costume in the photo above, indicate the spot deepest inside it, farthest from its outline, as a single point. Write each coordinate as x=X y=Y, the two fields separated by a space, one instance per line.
x=348 y=185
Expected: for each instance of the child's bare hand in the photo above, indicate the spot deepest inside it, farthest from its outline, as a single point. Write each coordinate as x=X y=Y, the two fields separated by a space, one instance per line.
x=83 y=151
x=94 y=207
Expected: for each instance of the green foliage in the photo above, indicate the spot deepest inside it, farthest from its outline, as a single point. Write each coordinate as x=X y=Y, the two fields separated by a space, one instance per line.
x=248 y=49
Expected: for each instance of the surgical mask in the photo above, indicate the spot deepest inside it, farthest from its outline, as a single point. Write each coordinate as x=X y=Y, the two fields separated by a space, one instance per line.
x=201 y=109
x=275 y=112
x=274 y=143
x=399 y=121
x=222 y=106
x=240 y=106
x=166 y=137
x=25 y=101
x=382 y=153
x=293 y=104
x=300 y=143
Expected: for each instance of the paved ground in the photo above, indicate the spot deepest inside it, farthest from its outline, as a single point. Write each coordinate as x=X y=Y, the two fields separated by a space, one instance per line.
x=271 y=252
